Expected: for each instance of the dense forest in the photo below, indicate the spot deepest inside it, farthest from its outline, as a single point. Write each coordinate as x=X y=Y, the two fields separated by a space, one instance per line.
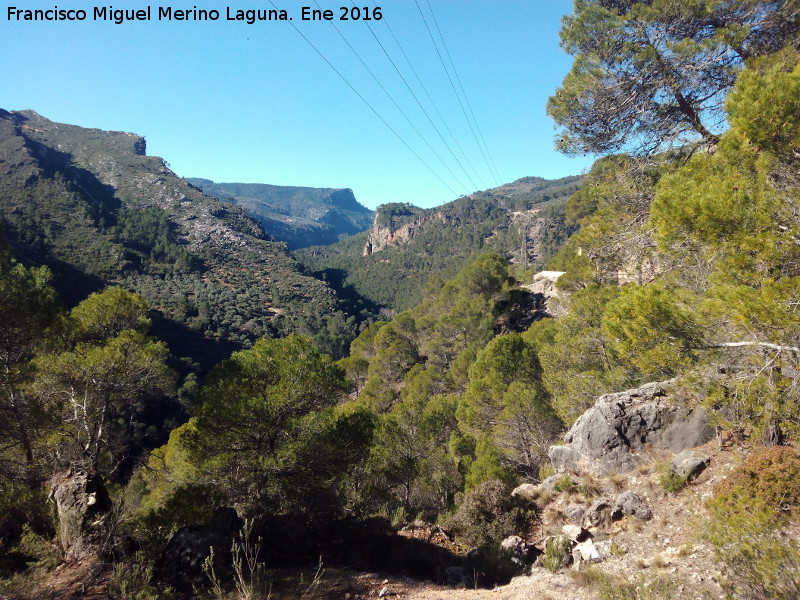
x=684 y=266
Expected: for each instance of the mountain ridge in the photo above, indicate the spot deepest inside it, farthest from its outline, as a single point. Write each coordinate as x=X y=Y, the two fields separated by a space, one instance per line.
x=299 y=216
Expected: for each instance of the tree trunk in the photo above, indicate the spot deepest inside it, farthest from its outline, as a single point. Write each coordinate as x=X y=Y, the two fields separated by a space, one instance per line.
x=773 y=436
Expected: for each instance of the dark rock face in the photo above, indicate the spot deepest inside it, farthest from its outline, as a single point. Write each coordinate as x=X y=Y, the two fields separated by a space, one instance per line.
x=181 y=564
x=82 y=506
x=519 y=552
x=139 y=146
x=609 y=436
x=597 y=513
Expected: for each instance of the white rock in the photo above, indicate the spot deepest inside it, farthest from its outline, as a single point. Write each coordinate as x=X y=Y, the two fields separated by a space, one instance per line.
x=571 y=531
x=588 y=551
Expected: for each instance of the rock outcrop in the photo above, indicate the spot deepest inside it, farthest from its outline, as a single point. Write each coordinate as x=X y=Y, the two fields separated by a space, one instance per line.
x=519 y=552
x=544 y=283
x=629 y=504
x=82 y=507
x=611 y=435
x=382 y=236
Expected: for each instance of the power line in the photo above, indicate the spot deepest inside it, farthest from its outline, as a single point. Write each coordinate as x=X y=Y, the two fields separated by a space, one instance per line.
x=397 y=70
x=385 y=91
x=466 y=98
x=427 y=94
x=452 y=85
x=377 y=114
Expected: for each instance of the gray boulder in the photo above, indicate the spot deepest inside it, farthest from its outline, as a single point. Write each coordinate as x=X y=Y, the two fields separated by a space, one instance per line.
x=527 y=491
x=520 y=551
x=610 y=435
x=688 y=464
x=629 y=504
x=575 y=513
x=597 y=513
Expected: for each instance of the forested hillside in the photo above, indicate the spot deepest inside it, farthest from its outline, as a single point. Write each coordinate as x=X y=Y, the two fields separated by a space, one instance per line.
x=682 y=274
x=299 y=216
x=389 y=264
x=93 y=207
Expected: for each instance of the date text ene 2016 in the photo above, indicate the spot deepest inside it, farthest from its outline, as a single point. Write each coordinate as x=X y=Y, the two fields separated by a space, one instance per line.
x=346 y=13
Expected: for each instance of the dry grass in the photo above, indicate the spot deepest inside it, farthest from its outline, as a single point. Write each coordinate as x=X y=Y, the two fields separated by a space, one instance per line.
x=554 y=515
x=615 y=481
x=589 y=486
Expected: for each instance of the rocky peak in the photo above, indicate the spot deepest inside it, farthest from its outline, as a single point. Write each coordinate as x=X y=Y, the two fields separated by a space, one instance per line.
x=396 y=224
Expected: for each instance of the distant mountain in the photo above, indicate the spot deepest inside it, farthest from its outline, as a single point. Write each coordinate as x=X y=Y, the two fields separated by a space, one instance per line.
x=95 y=208
x=390 y=263
x=299 y=216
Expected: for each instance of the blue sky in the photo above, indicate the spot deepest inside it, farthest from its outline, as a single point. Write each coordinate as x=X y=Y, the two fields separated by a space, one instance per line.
x=230 y=101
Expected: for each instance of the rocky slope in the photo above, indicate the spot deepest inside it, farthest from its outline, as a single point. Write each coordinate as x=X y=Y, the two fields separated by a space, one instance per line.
x=627 y=536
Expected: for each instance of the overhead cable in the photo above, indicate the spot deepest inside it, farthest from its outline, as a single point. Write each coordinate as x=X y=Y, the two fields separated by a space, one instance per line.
x=397 y=106
x=460 y=85
x=427 y=94
x=397 y=70
x=453 y=86
x=377 y=114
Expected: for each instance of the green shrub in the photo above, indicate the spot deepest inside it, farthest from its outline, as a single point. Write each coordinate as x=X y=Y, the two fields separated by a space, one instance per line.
x=25 y=525
x=644 y=588
x=488 y=513
x=613 y=587
x=399 y=517
x=545 y=471
x=185 y=505
x=555 y=553
x=671 y=482
x=564 y=484
x=617 y=550
x=760 y=561
x=41 y=551
x=132 y=580
x=748 y=511
x=490 y=565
